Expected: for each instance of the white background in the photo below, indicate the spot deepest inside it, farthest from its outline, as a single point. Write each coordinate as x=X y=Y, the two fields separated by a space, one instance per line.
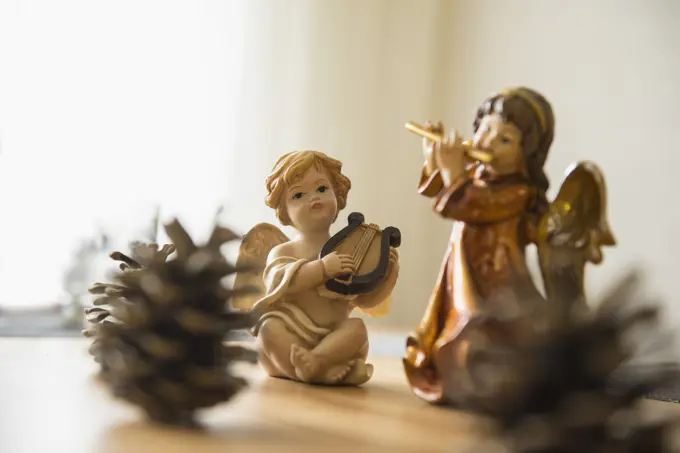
x=108 y=108
x=148 y=88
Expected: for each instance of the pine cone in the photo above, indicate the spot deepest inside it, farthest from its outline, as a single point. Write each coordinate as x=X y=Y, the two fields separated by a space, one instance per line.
x=161 y=345
x=104 y=310
x=577 y=390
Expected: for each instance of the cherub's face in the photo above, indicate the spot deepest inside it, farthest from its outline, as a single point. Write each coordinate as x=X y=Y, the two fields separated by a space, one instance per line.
x=311 y=203
x=504 y=141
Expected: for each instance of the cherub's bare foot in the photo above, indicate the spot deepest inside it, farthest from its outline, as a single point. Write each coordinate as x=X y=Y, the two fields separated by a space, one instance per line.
x=360 y=373
x=337 y=373
x=305 y=363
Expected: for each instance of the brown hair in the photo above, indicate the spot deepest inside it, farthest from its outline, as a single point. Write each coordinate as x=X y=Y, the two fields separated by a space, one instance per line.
x=292 y=166
x=533 y=116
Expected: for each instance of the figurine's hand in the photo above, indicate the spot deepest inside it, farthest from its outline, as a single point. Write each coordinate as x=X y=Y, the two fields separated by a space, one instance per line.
x=429 y=145
x=449 y=156
x=335 y=264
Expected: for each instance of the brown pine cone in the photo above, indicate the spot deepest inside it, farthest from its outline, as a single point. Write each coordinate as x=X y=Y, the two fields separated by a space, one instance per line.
x=161 y=344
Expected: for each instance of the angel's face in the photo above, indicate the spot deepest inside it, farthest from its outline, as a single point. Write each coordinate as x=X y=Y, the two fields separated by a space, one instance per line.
x=311 y=203
x=503 y=140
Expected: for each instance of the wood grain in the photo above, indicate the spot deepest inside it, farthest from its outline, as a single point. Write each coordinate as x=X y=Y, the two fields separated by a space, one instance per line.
x=51 y=402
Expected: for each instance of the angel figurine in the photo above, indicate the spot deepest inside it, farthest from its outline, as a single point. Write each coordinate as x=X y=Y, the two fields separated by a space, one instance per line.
x=304 y=330
x=493 y=188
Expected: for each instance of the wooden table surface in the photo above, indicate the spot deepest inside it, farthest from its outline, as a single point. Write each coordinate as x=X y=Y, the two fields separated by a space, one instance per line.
x=50 y=402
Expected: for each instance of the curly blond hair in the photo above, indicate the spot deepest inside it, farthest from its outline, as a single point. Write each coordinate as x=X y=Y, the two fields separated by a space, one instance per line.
x=291 y=167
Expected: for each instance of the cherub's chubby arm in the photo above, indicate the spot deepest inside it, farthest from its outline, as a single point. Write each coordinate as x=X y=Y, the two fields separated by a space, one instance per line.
x=380 y=294
x=309 y=274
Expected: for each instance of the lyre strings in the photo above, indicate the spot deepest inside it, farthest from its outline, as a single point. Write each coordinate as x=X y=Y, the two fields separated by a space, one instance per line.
x=361 y=248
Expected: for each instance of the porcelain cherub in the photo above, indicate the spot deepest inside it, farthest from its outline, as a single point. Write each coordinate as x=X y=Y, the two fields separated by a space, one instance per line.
x=304 y=332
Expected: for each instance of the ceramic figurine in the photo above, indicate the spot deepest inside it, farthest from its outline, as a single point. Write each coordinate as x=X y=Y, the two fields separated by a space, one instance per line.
x=493 y=189
x=311 y=284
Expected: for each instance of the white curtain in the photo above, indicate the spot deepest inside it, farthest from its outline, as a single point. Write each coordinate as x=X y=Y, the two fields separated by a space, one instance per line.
x=342 y=77
x=191 y=103
x=110 y=108
x=107 y=110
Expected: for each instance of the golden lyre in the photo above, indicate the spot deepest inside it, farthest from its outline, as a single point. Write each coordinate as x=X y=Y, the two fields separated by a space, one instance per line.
x=369 y=247
x=470 y=151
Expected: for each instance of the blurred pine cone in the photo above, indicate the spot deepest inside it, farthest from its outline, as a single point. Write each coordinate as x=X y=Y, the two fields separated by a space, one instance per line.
x=105 y=306
x=578 y=389
x=161 y=342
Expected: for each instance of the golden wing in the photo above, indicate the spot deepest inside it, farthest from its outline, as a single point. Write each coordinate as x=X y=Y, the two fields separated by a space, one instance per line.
x=382 y=309
x=253 y=252
x=572 y=234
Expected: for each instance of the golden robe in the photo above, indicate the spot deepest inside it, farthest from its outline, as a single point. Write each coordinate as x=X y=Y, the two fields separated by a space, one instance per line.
x=483 y=279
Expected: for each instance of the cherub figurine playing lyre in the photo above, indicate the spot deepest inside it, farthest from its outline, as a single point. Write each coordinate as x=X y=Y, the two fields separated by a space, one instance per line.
x=493 y=188
x=311 y=284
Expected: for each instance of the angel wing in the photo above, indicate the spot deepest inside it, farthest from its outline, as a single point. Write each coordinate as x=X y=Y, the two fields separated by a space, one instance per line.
x=253 y=251
x=572 y=234
x=382 y=309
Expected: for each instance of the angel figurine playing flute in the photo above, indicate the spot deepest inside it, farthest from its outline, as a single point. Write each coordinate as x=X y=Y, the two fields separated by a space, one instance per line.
x=493 y=189
x=310 y=284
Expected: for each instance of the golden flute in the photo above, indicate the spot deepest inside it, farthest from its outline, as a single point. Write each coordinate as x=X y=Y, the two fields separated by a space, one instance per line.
x=470 y=152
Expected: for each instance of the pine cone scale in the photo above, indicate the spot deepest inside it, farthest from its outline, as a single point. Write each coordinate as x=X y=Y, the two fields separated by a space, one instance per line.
x=162 y=348
x=105 y=300
x=126 y=260
x=197 y=322
x=206 y=378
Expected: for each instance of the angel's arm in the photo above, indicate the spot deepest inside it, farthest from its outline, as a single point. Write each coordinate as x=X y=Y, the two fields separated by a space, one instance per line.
x=471 y=201
x=308 y=276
